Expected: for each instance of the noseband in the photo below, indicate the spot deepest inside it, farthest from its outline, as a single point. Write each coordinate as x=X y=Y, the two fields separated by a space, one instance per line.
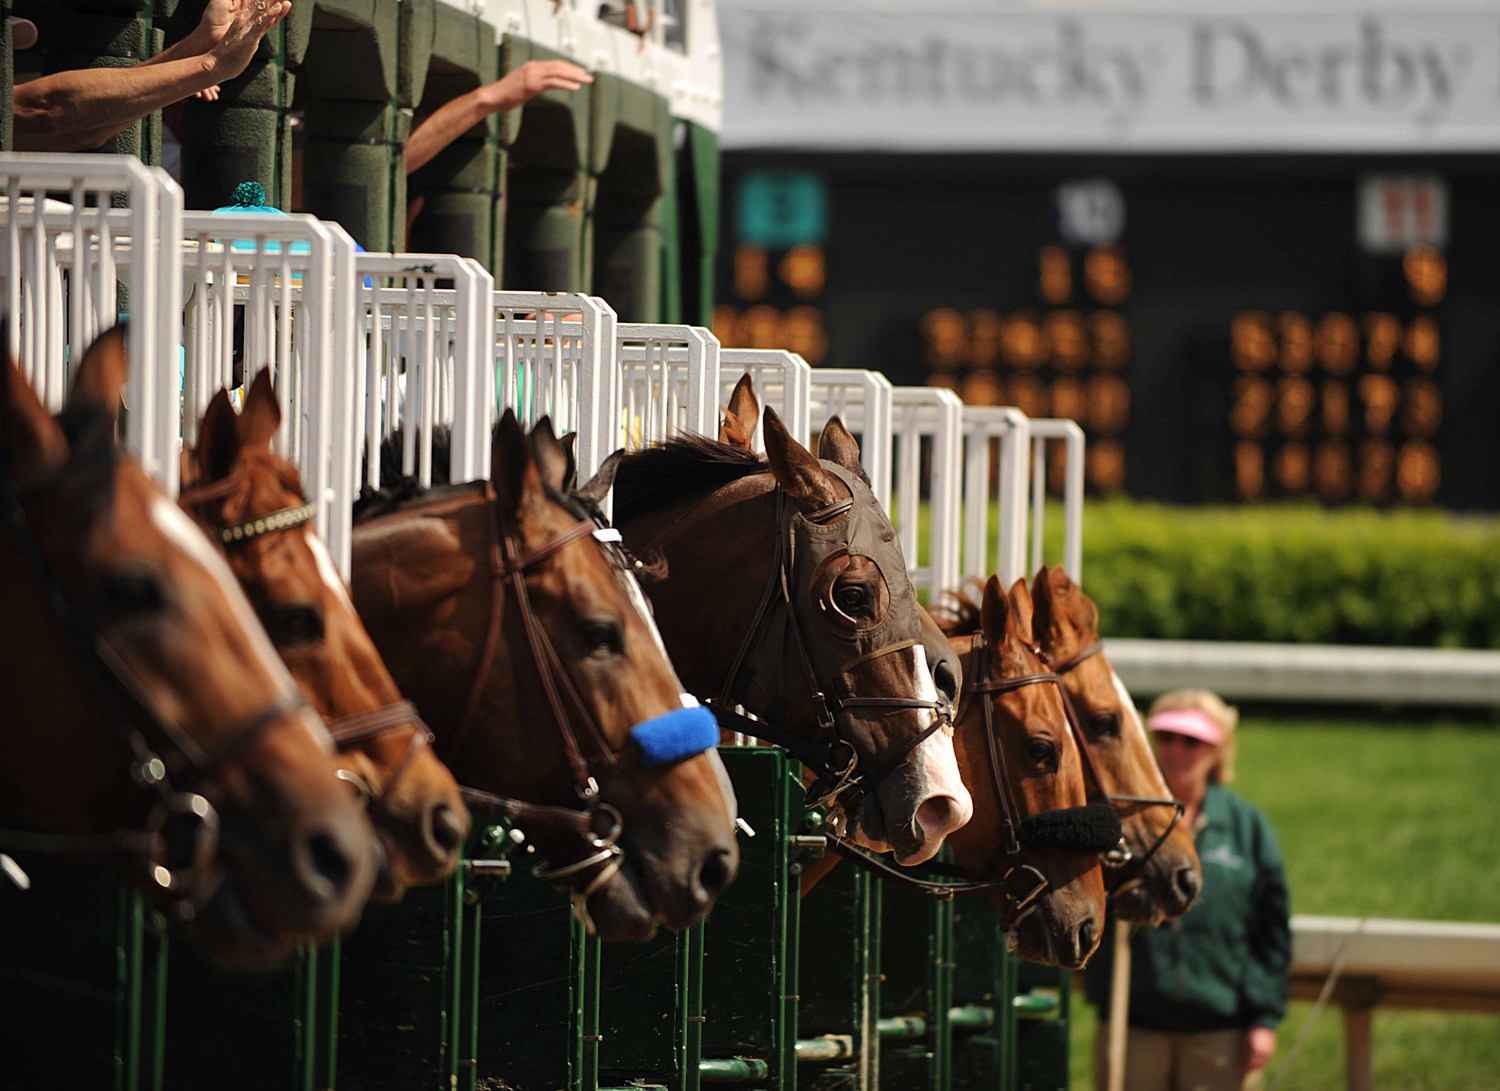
x=1121 y=858
x=827 y=753
x=177 y=846
x=346 y=730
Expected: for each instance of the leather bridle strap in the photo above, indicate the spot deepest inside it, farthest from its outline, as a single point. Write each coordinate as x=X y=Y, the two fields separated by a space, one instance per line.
x=358 y=727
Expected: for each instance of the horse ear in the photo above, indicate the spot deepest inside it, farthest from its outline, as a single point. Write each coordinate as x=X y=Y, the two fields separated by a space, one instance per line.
x=994 y=613
x=262 y=415
x=31 y=443
x=102 y=373
x=598 y=487
x=1021 y=610
x=742 y=416
x=837 y=445
x=552 y=461
x=218 y=439
x=795 y=469
x=512 y=467
x=1043 y=613
x=569 y=442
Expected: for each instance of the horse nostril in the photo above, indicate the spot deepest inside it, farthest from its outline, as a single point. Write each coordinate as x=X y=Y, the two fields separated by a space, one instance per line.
x=447 y=828
x=715 y=873
x=1187 y=881
x=329 y=862
x=1085 y=937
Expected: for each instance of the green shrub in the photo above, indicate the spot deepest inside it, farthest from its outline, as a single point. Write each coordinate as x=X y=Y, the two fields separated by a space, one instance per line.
x=1291 y=573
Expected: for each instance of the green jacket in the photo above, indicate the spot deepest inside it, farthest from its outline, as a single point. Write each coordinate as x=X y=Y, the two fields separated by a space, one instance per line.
x=1222 y=965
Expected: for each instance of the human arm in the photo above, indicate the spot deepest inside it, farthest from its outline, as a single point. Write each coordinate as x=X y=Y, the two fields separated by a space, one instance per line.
x=1260 y=1047
x=81 y=109
x=457 y=116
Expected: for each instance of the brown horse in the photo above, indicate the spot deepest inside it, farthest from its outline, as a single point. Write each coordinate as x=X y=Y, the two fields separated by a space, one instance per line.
x=786 y=594
x=1163 y=876
x=147 y=714
x=238 y=485
x=1022 y=740
x=521 y=636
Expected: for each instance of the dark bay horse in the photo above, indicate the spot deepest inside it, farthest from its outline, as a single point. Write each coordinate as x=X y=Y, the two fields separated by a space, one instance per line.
x=504 y=611
x=147 y=715
x=251 y=500
x=785 y=592
x=1163 y=876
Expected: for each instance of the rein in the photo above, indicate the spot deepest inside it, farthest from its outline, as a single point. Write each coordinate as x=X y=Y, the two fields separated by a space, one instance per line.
x=178 y=816
x=346 y=730
x=826 y=752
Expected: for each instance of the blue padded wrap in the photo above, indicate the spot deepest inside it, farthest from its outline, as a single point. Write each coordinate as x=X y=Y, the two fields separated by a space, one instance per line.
x=675 y=735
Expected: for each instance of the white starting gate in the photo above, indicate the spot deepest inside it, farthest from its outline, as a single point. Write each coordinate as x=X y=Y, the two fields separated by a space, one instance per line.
x=361 y=344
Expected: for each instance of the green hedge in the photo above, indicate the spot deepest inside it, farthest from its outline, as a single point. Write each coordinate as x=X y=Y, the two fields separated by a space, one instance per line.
x=1291 y=573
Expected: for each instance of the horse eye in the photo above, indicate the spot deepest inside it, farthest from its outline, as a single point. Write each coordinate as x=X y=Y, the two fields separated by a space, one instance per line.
x=1106 y=724
x=850 y=597
x=300 y=624
x=1040 y=750
x=603 y=637
x=133 y=594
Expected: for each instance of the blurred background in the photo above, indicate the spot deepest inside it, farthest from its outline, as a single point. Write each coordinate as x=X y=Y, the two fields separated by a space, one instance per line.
x=1251 y=249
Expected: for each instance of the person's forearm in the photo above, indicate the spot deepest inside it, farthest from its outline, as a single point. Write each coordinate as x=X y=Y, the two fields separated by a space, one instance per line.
x=445 y=125
x=80 y=109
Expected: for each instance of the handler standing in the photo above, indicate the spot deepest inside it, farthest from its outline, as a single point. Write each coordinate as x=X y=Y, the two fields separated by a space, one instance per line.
x=1208 y=990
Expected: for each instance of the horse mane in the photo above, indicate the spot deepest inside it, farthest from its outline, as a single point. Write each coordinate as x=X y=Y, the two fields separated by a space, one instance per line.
x=655 y=476
x=956 y=614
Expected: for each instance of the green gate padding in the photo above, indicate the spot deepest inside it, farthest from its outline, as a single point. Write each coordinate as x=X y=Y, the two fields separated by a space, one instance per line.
x=461 y=186
x=698 y=221
x=353 y=167
x=630 y=163
x=840 y=979
x=547 y=183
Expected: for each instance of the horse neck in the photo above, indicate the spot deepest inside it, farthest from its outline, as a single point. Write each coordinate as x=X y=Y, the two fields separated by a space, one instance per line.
x=718 y=548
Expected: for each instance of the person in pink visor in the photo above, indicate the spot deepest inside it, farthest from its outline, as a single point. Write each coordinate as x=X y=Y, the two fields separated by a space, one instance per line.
x=1208 y=990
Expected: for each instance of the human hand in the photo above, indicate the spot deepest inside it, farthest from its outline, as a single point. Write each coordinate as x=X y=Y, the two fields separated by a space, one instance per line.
x=1260 y=1047
x=208 y=94
x=251 y=22
x=530 y=80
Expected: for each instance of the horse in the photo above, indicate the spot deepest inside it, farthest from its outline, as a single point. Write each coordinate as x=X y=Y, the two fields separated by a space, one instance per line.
x=1032 y=814
x=1162 y=876
x=252 y=502
x=510 y=616
x=786 y=594
x=148 y=716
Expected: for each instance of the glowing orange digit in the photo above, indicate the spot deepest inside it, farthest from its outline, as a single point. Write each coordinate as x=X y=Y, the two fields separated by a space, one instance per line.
x=1055 y=280
x=985 y=328
x=752 y=274
x=1294 y=405
x=1023 y=342
x=947 y=338
x=725 y=321
x=1296 y=341
x=1111 y=338
x=1069 y=340
x=1382 y=339
x=1424 y=342
x=1426 y=275
x=1104 y=464
x=1338 y=343
x=1250 y=411
x=1292 y=467
x=1249 y=469
x=801 y=268
x=1418 y=471
x=1381 y=397
x=1333 y=470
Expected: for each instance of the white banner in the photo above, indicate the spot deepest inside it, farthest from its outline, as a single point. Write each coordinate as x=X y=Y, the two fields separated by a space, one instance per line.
x=915 y=80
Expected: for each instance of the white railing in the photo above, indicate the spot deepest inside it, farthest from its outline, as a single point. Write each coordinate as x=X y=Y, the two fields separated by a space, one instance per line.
x=62 y=263
x=360 y=345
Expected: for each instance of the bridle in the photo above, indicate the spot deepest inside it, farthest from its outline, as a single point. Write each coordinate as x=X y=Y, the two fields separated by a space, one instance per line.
x=347 y=730
x=508 y=563
x=1129 y=866
x=833 y=760
x=177 y=846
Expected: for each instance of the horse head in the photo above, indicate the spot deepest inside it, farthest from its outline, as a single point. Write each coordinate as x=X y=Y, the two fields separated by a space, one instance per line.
x=146 y=696
x=1031 y=818
x=1163 y=875
x=251 y=499
x=509 y=615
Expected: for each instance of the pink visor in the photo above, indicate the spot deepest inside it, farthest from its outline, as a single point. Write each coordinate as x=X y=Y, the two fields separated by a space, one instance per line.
x=1187 y=721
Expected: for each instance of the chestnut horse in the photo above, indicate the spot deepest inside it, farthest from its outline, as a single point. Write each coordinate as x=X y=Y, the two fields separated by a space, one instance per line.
x=506 y=613
x=1163 y=876
x=786 y=594
x=252 y=501
x=148 y=716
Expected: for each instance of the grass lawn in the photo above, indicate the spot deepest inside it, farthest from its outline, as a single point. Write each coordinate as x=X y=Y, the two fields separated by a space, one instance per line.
x=1381 y=819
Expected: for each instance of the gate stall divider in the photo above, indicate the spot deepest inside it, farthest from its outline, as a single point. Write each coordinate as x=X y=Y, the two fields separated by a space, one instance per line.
x=863 y=400
x=919 y=412
x=1012 y=429
x=782 y=380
